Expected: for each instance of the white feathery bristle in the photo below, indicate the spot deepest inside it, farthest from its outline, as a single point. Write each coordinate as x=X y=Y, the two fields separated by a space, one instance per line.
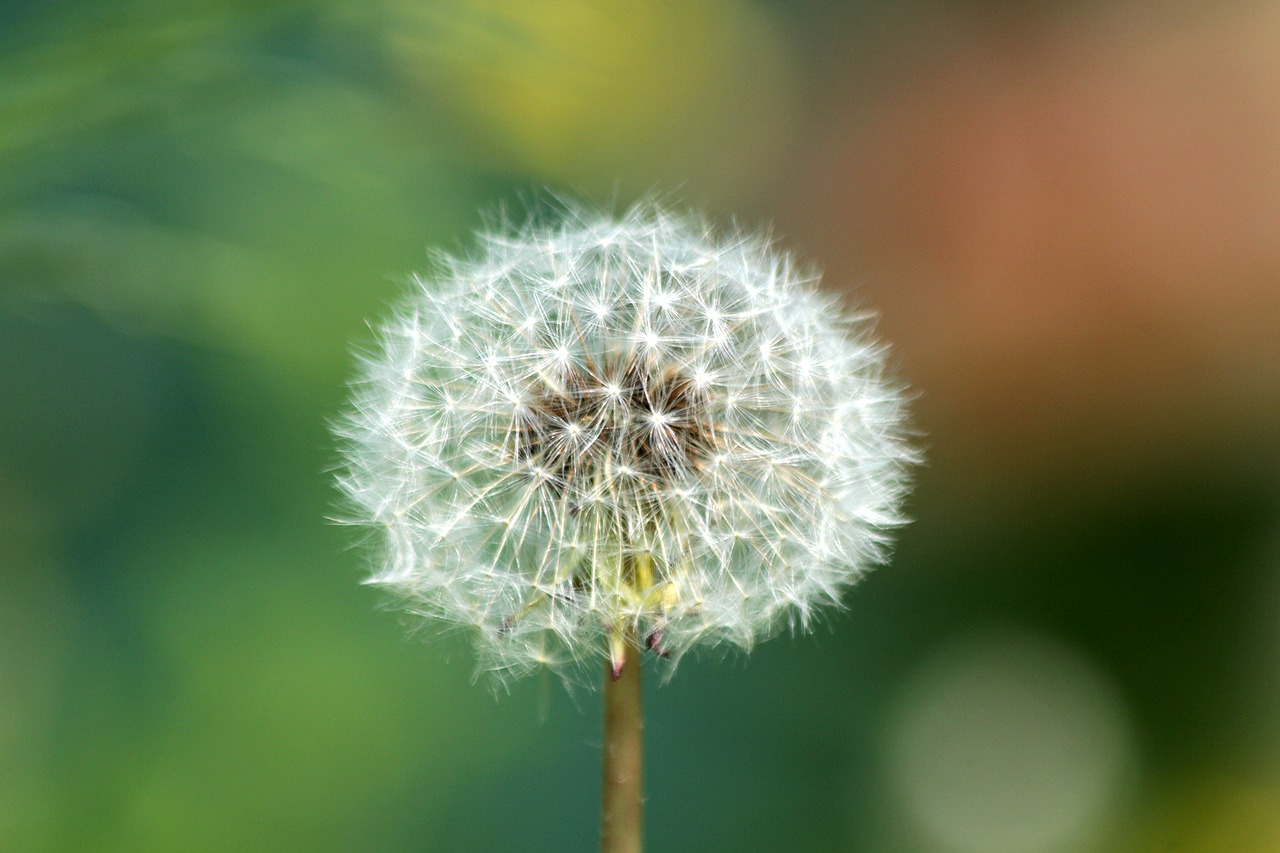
x=616 y=425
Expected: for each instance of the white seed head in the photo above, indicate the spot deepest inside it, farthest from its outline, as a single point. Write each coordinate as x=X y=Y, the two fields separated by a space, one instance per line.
x=610 y=427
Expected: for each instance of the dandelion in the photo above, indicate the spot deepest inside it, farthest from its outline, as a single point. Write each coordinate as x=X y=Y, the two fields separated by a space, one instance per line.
x=608 y=434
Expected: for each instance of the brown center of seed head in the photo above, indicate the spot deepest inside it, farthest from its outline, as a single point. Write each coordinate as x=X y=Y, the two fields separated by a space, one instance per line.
x=622 y=421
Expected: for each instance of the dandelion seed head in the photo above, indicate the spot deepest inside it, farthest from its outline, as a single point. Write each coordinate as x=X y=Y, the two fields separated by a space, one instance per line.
x=629 y=424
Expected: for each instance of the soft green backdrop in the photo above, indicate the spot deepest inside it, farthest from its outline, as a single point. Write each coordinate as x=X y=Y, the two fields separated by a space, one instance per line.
x=1066 y=212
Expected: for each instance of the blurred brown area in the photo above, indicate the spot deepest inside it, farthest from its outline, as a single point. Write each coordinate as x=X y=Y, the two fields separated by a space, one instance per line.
x=1071 y=223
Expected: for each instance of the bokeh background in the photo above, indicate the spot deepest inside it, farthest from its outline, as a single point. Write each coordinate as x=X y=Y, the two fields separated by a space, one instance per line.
x=1067 y=212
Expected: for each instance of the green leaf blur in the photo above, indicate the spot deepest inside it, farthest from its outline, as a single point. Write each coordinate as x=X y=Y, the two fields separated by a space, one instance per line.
x=1065 y=213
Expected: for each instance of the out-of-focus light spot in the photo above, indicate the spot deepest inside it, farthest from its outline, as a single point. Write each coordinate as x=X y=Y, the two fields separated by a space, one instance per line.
x=1008 y=742
x=603 y=94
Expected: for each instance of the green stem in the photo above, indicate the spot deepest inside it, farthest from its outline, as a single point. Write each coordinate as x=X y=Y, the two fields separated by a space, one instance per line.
x=621 y=817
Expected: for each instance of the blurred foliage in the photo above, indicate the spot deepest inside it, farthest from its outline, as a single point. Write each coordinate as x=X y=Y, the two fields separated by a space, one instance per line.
x=607 y=94
x=201 y=205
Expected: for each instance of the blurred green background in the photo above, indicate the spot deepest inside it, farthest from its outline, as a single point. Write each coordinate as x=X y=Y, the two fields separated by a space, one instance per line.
x=1066 y=213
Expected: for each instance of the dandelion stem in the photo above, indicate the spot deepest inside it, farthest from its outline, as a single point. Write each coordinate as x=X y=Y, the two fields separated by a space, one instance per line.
x=621 y=817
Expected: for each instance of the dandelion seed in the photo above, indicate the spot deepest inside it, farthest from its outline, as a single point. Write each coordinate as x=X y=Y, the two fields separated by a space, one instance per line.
x=602 y=429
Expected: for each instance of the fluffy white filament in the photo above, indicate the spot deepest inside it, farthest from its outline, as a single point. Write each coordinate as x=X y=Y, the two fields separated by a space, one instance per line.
x=622 y=428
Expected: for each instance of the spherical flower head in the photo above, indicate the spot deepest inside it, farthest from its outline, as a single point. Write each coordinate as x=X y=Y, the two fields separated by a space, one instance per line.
x=622 y=430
